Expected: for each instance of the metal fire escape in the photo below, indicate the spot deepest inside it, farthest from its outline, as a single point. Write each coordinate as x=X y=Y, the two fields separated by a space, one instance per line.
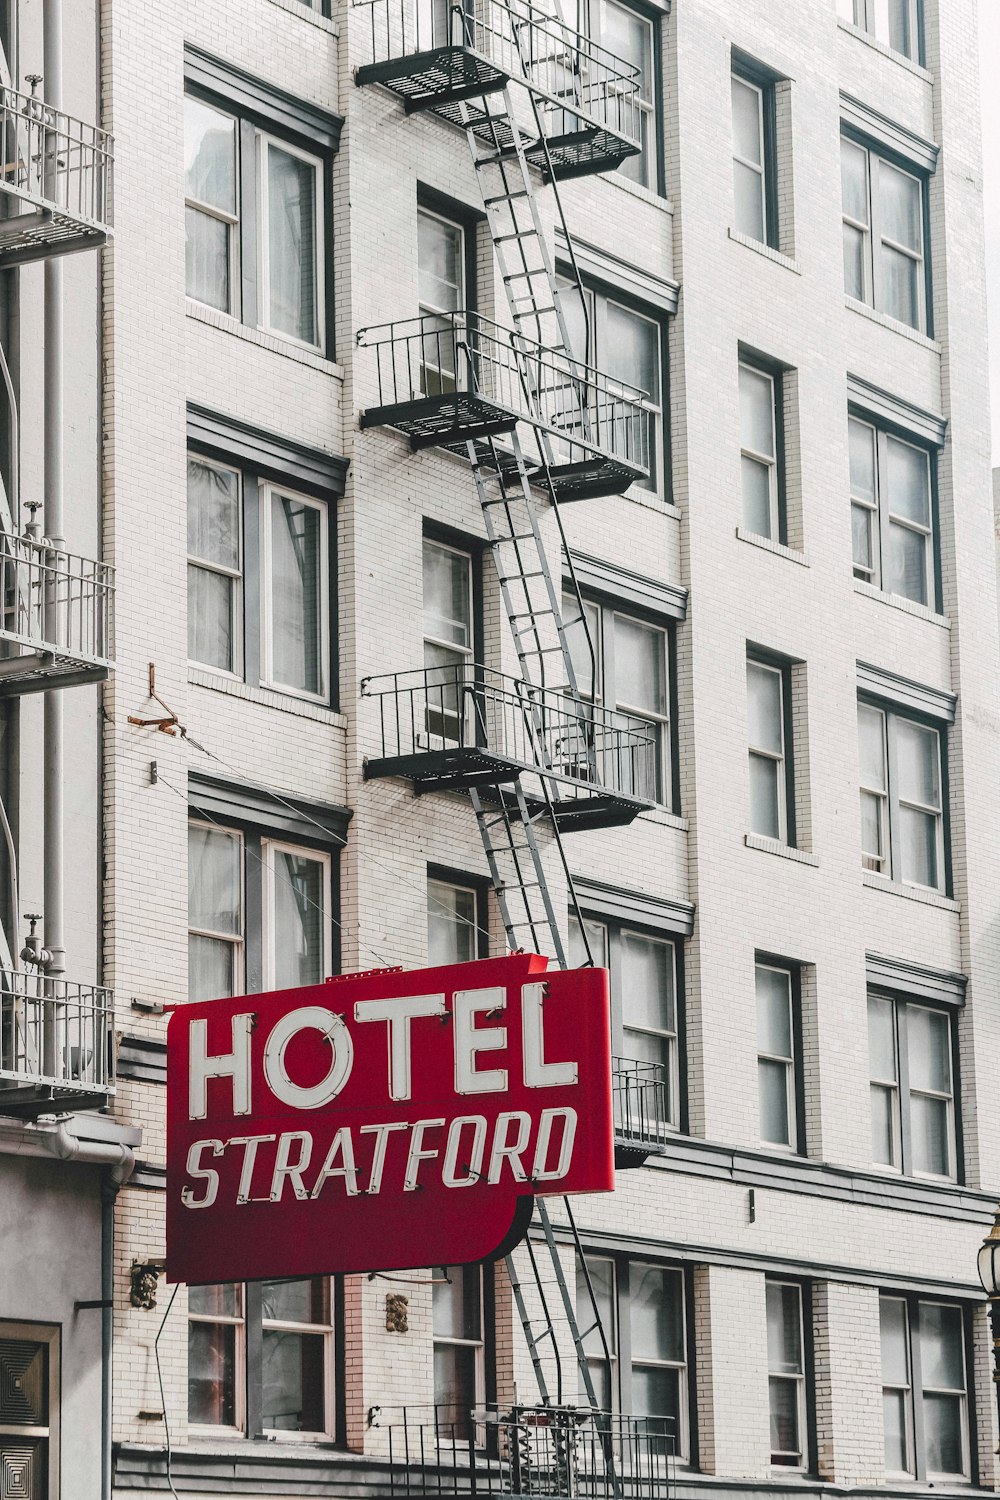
x=56 y=608
x=531 y=414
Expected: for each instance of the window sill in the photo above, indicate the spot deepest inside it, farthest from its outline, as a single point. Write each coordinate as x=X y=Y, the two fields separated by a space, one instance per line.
x=311 y=17
x=767 y=251
x=783 y=851
x=228 y=324
x=898 y=601
x=893 y=324
x=644 y=194
x=767 y=545
x=665 y=819
x=267 y=698
x=651 y=501
x=897 y=57
x=877 y=882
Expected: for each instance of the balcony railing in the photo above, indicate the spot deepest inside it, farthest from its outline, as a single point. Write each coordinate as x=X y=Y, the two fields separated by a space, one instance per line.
x=641 y=1109
x=447 y=379
x=542 y=1451
x=435 y=55
x=56 y=174
x=56 y=616
x=56 y=1042
x=464 y=725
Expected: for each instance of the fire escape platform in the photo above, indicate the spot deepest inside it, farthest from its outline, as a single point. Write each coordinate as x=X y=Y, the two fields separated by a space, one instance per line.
x=445 y=421
x=436 y=77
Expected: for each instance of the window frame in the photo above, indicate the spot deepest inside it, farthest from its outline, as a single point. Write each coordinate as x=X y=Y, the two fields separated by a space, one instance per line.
x=762 y=82
x=777 y=467
x=268 y=493
x=805 y=1397
x=651 y=109
x=264 y=140
x=874 y=241
x=916 y=1391
x=268 y=876
x=484 y=1355
x=795 y=1074
x=864 y=18
x=891 y=804
x=902 y=1091
x=478 y=889
x=881 y=515
x=237 y=944
x=49 y=1335
x=786 y=760
x=238 y=575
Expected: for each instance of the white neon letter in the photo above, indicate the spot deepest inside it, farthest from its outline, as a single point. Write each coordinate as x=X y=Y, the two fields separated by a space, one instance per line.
x=381 y=1134
x=308 y=1018
x=234 y=1065
x=539 y=1171
x=207 y=1174
x=341 y=1145
x=418 y=1153
x=469 y=1042
x=504 y=1150
x=250 y=1144
x=284 y=1168
x=473 y=1168
x=399 y=1012
x=538 y=1074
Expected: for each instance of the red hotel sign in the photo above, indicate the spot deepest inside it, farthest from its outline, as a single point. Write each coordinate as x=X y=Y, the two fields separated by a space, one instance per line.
x=384 y=1121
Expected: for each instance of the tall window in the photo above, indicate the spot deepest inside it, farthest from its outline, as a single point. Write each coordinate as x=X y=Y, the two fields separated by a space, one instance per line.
x=643 y=1369
x=448 y=639
x=260 y=1357
x=29 y=1411
x=891 y=515
x=643 y=972
x=454 y=929
x=771 y=805
x=883 y=235
x=925 y=1397
x=253 y=201
x=912 y=1087
x=786 y=1374
x=902 y=807
x=632 y=663
x=259 y=612
x=895 y=23
x=441 y=277
x=760 y=451
x=778 y=1055
x=290 y=886
x=459 y=1349
x=754 y=164
x=628 y=35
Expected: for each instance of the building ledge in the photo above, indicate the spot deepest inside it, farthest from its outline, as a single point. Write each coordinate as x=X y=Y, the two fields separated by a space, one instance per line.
x=767 y=251
x=783 y=851
x=876 y=882
x=861 y=35
x=766 y=544
x=899 y=601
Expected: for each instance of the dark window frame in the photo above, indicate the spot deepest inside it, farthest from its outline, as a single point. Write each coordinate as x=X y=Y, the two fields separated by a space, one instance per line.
x=893 y=713
x=760 y=656
x=480 y=886
x=777 y=373
x=884 y=430
x=466 y=219
x=866 y=9
x=793 y=968
x=877 y=150
x=912 y=1302
x=902 y=1004
x=810 y=1446
x=748 y=70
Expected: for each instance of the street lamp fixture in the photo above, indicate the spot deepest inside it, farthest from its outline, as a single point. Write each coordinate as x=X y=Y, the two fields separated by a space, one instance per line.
x=989 y=1275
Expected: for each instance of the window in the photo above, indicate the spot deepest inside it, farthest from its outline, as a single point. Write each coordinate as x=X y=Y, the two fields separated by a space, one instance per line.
x=924 y=1389
x=912 y=1087
x=454 y=931
x=883 y=235
x=625 y=345
x=29 y=1411
x=895 y=23
x=254 y=220
x=459 y=1349
x=761 y=455
x=628 y=35
x=643 y=969
x=902 y=807
x=771 y=782
x=449 y=633
x=632 y=662
x=778 y=1055
x=891 y=513
x=643 y=1370
x=754 y=164
x=230 y=870
x=441 y=257
x=786 y=1374
x=260 y=610
x=260 y=1357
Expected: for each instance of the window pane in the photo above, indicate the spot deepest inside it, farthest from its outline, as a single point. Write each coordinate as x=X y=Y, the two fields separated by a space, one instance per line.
x=454 y=1386
x=900 y=286
x=765 y=817
x=632 y=350
x=602 y=1278
x=296 y=603
x=447 y=595
x=440 y=251
x=748 y=139
x=883 y=1132
x=772 y=1086
x=944 y=1420
x=209 y=156
x=871 y=737
x=211 y=1374
x=861 y=539
x=292 y=267
x=214 y=880
x=655 y=1313
x=305 y=1301
x=647 y=983
x=872 y=828
x=918 y=854
x=581 y=654
x=908 y=482
x=786 y=1442
x=299 y=907
x=942 y=1355
x=452 y=935
x=894 y=1422
x=656 y=1393
x=210 y=618
x=206 y=259
x=456 y=1302
x=748 y=196
x=892 y=1326
x=928 y=1035
x=892 y=25
x=882 y=1039
x=210 y=968
x=293 y=1381
x=756 y=411
x=630 y=37
x=757 y=493
x=774 y=1010
x=917 y=756
x=764 y=708
x=930 y=1132
x=854 y=178
x=640 y=666
x=213 y=514
x=906 y=563
x=899 y=202
x=854 y=262
x=784 y=1329
x=222 y=1299
x=861 y=442
x=597 y=936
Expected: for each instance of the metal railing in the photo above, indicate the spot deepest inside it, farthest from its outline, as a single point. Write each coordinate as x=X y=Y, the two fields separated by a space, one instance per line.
x=55 y=1033
x=641 y=1102
x=52 y=601
x=538 y=1451
x=466 y=707
x=55 y=161
x=571 y=73
x=464 y=354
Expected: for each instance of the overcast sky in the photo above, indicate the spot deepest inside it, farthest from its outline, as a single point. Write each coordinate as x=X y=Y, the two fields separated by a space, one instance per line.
x=989 y=29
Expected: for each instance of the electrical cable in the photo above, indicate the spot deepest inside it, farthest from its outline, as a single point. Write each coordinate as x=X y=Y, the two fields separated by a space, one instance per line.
x=163 y=1402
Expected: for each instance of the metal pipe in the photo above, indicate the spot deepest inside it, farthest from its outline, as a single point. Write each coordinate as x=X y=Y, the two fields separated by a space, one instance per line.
x=109 y=1193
